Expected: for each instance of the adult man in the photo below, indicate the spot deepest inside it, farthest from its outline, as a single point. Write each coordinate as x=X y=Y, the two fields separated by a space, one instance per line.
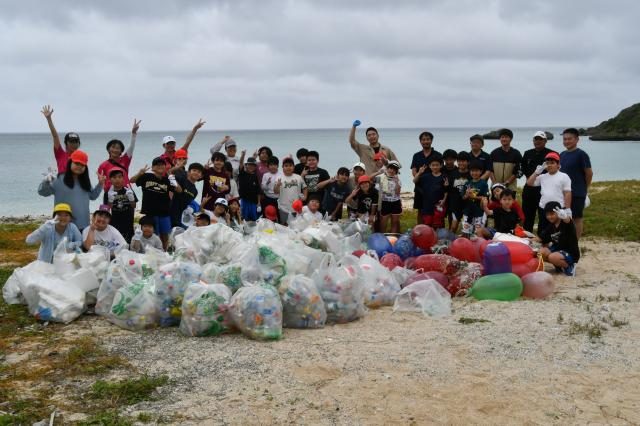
x=366 y=152
x=231 y=148
x=477 y=154
x=100 y=233
x=531 y=159
x=506 y=162
x=577 y=164
x=71 y=141
x=422 y=158
x=169 y=145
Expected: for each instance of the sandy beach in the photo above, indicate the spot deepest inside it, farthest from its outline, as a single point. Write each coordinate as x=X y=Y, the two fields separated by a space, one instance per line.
x=528 y=361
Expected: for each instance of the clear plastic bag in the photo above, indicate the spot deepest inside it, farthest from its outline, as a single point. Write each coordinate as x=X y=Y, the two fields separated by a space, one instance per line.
x=261 y=265
x=134 y=306
x=171 y=281
x=257 y=312
x=341 y=288
x=302 y=306
x=380 y=285
x=204 y=310
x=427 y=296
x=126 y=268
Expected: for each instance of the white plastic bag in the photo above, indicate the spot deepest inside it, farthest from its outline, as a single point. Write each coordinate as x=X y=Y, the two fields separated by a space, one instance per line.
x=427 y=296
x=11 y=291
x=49 y=298
x=204 y=310
x=97 y=260
x=64 y=263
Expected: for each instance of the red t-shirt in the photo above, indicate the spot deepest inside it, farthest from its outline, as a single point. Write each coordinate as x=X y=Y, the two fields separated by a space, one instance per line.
x=62 y=157
x=106 y=166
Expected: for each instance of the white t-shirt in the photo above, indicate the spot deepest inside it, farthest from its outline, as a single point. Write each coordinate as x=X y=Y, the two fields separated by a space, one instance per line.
x=388 y=187
x=553 y=187
x=269 y=182
x=290 y=190
x=306 y=213
x=233 y=190
x=109 y=238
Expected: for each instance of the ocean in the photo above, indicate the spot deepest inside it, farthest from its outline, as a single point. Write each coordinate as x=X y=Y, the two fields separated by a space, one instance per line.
x=26 y=157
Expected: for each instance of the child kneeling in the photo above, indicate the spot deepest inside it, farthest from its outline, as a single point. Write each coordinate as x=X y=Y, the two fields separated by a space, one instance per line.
x=560 y=239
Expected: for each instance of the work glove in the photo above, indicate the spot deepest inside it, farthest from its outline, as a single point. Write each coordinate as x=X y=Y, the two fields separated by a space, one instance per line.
x=563 y=213
x=356 y=123
x=173 y=181
x=137 y=234
x=259 y=210
x=111 y=195
x=540 y=169
x=130 y=195
x=52 y=222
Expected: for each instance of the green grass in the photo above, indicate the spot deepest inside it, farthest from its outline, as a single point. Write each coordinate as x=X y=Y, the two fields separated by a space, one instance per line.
x=129 y=391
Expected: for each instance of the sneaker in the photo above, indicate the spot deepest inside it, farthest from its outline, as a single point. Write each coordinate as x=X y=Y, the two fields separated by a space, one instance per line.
x=570 y=270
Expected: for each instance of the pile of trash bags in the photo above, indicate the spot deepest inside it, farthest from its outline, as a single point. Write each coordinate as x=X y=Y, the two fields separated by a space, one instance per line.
x=219 y=280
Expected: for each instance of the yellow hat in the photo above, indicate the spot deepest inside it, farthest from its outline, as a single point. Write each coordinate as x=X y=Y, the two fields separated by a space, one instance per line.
x=62 y=207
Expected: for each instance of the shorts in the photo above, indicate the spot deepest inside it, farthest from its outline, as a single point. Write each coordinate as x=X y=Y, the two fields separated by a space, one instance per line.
x=435 y=219
x=249 y=210
x=577 y=206
x=391 y=207
x=417 y=199
x=162 y=224
x=491 y=231
x=567 y=257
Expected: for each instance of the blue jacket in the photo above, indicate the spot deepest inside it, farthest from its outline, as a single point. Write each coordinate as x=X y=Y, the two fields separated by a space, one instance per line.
x=49 y=239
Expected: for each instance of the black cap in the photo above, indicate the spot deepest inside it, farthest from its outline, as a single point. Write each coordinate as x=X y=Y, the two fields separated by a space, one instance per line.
x=551 y=206
x=251 y=160
x=476 y=137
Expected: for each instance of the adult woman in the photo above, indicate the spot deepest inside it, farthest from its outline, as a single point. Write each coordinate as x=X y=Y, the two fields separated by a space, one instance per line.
x=115 y=148
x=50 y=233
x=74 y=188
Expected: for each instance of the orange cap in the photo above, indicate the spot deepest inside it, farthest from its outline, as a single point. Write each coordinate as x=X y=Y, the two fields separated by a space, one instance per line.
x=552 y=156
x=181 y=153
x=379 y=156
x=79 y=157
x=271 y=213
x=363 y=179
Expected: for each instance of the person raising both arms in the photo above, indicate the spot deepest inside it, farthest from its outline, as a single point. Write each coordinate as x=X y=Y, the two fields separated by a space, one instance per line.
x=231 y=148
x=115 y=149
x=71 y=141
x=169 y=145
x=577 y=164
x=74 y=188
x=366 y=151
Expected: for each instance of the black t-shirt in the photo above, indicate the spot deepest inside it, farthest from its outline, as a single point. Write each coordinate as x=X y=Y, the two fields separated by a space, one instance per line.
x=365 y=201
x=181 y=200
x=433 y=190
x=483 y=158
x=457 y=187
x=155 y=194
x=563 y=237
x=419 y=160
x=505 y=221
x=532 y=159
x=122 y=214
x=248 y=186
x=334 y=194
x=298 y=168
x=312 y=179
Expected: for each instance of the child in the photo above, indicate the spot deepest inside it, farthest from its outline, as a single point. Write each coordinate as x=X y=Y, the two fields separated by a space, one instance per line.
x=357 y=170
x=235 y=218
x=301 y=155
x=475 y=196
x=122 y=202
x=560 y=239
x=233 y=183
x=220 y=211
x=101 y=233
x=216 y=180
x=50 y=233
x=203 y=219
x=505 y=217
x=554 y=186
x=391 y=205
x=248 y=188
x=144 y=236
x=434 y=187
x=289 y=188
x=335 y=193
x=315 y=177
x=379 y=160
x=269 y=181
x=366 y=198
x=494 y=203
x=450 y=157
x=312 y=210
x=156 y=200
x=457 y=182
x=187 y=181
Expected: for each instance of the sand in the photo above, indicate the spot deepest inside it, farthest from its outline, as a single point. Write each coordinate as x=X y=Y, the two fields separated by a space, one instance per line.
x=527 y=364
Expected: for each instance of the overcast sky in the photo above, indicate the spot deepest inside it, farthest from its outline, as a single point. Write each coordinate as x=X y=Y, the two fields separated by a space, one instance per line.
x=315 y=64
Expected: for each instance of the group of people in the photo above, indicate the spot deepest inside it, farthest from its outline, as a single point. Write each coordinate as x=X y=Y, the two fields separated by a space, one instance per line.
x=451 y=189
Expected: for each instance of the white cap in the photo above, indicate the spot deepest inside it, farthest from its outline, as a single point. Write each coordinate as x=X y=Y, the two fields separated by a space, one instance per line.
x=394 y=163
x=168 y=139
x=540 y=134
x=361 y=165
x=222 y=201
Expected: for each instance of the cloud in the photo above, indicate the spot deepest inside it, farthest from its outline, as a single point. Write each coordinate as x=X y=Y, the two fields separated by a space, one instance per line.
x=284 y=64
